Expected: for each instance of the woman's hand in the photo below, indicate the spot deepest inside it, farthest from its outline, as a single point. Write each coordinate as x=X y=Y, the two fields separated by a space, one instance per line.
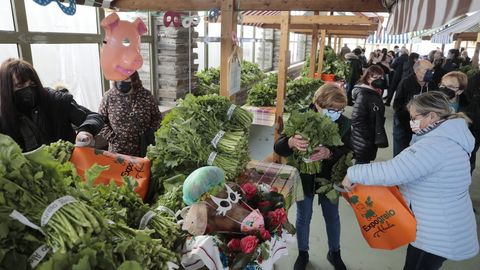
x=297 y=142
x=84 y=139
x=321 y=153
x=347 y=185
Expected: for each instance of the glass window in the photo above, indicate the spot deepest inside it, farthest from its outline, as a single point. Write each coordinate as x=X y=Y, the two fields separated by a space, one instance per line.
x=50 y=18
x=247 y=51
x=259 y=33
x=213 y=54
x=214 y=30
x=268 y=33
x=8 y=51
x=200 y=51
x=264 y=54
x=76 y=66
x=248 y=31
x=6 y=19
x=200 y=28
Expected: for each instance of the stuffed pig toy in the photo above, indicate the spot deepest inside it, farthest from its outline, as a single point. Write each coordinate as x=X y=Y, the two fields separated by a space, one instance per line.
x=214 y=206
x=120 y=53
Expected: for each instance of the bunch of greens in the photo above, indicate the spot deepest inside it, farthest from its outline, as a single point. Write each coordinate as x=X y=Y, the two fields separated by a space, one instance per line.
x=30 y=183
x=342 y=70
x=469 y=70
x=264 y=93
x=339 y=170
x=60 y=150
x=209 y=79
x=329 y=61
x=186 y=139
x=318 y=130
x=122 y=205
x=300 y=93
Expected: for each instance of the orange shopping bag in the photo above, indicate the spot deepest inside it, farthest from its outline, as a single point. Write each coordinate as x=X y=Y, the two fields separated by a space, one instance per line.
x=120 y=165
x=385 y=220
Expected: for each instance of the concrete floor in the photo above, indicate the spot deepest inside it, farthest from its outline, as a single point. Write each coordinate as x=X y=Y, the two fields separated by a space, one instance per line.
x=355 y=251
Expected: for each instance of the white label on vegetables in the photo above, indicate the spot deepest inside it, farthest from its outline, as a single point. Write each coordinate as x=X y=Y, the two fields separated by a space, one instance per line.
x=163 y=209
x=146 y=219
x=217 y=138
x=211 y=158
x=230 y=111
x=38 y=256
x=54 y=207
x=24 y=220
x=307 y=160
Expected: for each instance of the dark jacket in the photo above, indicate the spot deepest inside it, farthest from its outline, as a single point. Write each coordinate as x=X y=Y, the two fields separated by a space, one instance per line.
x=355 y=68
x=469 y=103
x=438 y=73
x=55 y=119
x=452 y=64
x=308 y=180
x=407 y=89
x=397 y=65
x=368 y=106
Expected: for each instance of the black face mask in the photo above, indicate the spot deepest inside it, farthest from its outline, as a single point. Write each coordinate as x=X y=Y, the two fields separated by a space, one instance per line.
x=25 y=99
x=378 y=84
x=124 y=87
x=447 y=91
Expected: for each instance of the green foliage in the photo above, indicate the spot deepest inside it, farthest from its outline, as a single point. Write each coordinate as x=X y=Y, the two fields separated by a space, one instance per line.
x=318 y=130
x=300 y=93
x=470 y=70
x=209 y=78
x=264 y=93
x=339 y=170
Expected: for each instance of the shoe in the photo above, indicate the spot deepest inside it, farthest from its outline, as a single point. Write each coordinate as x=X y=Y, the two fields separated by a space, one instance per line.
x=336 y=260
x=302 y=260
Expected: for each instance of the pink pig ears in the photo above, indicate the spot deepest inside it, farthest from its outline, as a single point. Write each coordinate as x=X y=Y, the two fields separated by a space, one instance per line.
x=110 y=22
x=142 y=29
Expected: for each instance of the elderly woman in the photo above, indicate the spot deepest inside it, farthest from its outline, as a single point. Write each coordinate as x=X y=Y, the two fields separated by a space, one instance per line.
x=433 y=175
x=132 y=117
x=329 y=100
x=34 y=115
x=454 y=85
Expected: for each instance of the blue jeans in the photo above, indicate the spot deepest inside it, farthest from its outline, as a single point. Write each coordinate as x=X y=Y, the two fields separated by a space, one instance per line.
x=401 y=138
x=332 y=222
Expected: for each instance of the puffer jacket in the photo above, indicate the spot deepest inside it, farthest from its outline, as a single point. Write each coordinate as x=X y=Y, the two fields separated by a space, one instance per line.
x=433 y=175
x=368 y=105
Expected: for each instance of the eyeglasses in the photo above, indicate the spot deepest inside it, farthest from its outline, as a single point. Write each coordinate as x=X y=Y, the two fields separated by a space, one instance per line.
x=413 y=118
x=335 y=111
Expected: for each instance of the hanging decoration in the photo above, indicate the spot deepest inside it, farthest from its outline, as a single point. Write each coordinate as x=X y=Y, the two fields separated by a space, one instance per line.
x=190 y=21
x=120 y=54
x=234 y=64
x=69 y=10
x=172 y=17
x=213 y=15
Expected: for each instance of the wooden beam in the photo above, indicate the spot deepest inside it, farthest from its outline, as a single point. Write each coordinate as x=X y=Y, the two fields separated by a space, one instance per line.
x=282 y=5
x=322 y=52
x=315 y=19
x=282 y=75
x=313 y=50
x=468 y=36
x=371 y=27
x=229 y=25
x=337 y=32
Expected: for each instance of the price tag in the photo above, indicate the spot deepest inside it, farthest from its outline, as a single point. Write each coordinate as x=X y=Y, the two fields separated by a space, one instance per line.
x=217 y=138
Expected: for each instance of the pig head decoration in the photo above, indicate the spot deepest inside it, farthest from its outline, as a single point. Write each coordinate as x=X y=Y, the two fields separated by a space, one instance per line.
x=223 y=212
x=120 y=53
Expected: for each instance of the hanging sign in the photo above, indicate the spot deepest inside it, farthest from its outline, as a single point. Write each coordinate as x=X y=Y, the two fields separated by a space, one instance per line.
x=234 y=72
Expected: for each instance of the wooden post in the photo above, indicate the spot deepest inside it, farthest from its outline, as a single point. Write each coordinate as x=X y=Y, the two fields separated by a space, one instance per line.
x=313 y=50
x=457 y=43
x=322 y=52
x=229 y=25
x=282 y=75
x=477 y=52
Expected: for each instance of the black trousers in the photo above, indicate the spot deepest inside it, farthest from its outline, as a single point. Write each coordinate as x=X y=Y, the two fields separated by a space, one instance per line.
x=418 y=259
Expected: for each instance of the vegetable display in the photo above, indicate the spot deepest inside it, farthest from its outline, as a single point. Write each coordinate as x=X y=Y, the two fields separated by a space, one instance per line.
x=206 y=130
x=318 y=130
x=264 y=93
x=339 y=170
x=209 y=78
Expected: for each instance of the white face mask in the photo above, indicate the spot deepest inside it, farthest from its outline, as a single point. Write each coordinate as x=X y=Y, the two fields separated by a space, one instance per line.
x=415 y=125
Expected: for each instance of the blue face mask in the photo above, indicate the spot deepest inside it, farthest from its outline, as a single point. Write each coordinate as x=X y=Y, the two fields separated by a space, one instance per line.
x=332 y=114
x=428 y=76
x=454 y=106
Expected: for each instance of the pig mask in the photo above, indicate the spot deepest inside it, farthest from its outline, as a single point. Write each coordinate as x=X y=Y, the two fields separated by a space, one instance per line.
x=120 y=53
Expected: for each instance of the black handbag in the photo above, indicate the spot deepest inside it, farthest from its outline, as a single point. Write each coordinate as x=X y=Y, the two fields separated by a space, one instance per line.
x=146 y=139
x=381 y=139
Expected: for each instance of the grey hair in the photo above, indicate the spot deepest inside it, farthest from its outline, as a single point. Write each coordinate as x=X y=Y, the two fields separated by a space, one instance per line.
x=436 y=102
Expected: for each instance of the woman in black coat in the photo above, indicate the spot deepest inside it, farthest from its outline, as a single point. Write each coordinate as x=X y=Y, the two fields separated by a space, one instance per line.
x=33 y=115
x=368 y=116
